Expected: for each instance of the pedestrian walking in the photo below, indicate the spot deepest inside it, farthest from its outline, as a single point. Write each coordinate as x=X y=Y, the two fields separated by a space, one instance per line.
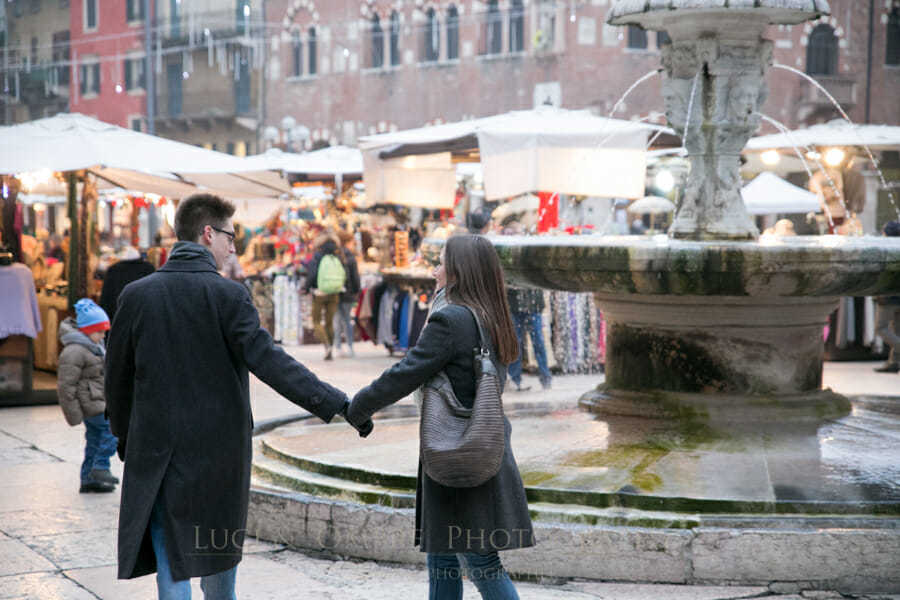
x=343 y=320
x=80 y=390
x=325 y=279
x=461 y=527
x=887 y=316
x=130 y=267
x=177 y=388
x=526 y=306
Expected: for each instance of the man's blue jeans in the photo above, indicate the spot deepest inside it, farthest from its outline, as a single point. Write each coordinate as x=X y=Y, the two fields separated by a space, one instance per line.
x=99 y=445
x=536 y=330
x=484 y=570
x=215 y=587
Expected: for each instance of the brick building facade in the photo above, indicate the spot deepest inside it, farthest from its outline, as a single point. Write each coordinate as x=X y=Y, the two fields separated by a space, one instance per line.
x=107 y=78
x=346 y=68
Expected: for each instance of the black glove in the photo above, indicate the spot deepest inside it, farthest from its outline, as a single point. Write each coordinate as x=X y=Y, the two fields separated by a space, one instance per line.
x=364 y=428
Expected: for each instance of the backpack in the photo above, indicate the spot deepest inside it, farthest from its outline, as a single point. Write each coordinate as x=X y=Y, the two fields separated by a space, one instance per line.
x=331 y=276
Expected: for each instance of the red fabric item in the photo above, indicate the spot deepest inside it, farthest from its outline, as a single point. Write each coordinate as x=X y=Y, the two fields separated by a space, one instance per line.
x=101 y=326
x=548 y=211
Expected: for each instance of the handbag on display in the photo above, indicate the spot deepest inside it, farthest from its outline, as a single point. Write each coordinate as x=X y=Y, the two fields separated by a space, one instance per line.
x=463 y=447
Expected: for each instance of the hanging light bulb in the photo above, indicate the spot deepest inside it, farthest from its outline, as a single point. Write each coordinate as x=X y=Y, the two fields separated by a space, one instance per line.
x=834 y=156
x=770 y=157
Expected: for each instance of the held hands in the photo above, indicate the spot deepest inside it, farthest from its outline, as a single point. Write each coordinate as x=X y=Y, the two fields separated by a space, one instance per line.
x=364 y=428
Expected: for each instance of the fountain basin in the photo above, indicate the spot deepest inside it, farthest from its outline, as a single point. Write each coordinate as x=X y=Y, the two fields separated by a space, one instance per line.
x=729 y=330
x=800 y=266
x=734 y=18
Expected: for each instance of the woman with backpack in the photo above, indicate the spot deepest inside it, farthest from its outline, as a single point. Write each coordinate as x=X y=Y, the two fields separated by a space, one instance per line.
x=325 y=279
x=462 y=528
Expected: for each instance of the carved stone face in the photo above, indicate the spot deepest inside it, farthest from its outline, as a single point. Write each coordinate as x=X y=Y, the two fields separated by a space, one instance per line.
x=743 y=97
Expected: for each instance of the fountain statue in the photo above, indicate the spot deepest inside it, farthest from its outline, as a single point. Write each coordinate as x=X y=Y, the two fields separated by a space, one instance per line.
x=711 y=453
x=705 y=322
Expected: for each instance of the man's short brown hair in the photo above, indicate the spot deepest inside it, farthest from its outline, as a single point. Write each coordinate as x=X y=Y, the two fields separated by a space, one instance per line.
x=197 y=211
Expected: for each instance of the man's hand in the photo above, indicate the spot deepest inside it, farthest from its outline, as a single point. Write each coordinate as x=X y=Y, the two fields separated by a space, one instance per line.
x=364 y=428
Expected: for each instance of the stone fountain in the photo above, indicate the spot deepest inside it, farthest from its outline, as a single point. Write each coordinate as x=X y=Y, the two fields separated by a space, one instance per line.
x=711 y=453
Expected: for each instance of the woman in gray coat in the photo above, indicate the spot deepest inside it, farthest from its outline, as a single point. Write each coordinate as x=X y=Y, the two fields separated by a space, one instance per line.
x=461 y=526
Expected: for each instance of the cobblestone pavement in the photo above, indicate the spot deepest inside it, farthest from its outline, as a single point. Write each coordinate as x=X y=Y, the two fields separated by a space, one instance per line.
x=58 y=544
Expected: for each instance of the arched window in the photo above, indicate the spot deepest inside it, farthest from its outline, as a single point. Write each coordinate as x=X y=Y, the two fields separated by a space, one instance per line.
x=637 y=38
x=892 y=54
x=311 y=52
x=516 y=26
x=395 y=39
x=452 y=32
x=431 y=37
x=296 y=54
x=493 y=29
x=377 y=43
x=822 y=52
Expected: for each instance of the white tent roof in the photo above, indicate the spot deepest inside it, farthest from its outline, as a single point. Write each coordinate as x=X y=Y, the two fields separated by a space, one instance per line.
x=545 y=149
x=129 y=159
x=770 y=194
x=834 y=133
x=332 y=161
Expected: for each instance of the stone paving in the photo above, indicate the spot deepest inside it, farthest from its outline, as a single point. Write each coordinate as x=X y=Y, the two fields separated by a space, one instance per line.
x=58 y=544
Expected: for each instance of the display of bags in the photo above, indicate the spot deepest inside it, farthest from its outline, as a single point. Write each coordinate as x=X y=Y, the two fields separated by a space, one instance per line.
x=463 y=447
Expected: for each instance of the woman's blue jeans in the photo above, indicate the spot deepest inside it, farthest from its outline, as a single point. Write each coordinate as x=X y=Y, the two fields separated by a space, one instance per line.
x=343 y=323
x=215 y=587
x=484 y=570
x=99 y=445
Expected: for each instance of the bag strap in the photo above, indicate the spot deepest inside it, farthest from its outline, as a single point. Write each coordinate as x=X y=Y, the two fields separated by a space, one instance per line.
x=485 y=346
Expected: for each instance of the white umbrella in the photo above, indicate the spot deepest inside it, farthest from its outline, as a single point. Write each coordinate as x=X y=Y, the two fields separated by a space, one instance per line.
x=769 y=194
x=126 y=158
x=652 y=205
x=331 y=161
x=833 y=133
x=521 y=204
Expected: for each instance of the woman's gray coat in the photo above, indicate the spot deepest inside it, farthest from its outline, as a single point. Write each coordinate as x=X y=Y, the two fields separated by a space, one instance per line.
x=492 y=516
x=178 y=399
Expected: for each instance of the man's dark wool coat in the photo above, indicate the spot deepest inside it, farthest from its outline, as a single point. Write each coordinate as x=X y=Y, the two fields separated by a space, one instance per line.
x=177 y=393
x=491 y=517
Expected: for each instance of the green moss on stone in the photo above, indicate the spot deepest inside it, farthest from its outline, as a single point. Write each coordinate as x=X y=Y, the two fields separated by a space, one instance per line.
x=536 y=477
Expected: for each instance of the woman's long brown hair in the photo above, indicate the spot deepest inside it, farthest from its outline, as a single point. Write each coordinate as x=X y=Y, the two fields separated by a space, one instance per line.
x=475 y=278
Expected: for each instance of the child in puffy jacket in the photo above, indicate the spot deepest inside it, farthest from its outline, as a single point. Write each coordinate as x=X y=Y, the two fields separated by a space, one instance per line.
x=81 y=397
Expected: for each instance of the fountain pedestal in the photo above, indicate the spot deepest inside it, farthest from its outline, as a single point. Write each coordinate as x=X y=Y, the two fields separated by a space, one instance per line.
x=726 y=331
x=726 y=359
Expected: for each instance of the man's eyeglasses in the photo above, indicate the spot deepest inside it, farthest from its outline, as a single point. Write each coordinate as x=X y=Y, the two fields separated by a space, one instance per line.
x=230 y=234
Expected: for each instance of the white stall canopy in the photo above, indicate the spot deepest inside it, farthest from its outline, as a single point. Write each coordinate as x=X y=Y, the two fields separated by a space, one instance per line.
x=546 y=149
x=833 y=133
x=769 y=194
x=130 y=159
x=332 y=161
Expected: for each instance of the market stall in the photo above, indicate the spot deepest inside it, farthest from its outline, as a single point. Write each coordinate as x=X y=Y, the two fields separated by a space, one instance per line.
x=86 y=158
x=527 y=163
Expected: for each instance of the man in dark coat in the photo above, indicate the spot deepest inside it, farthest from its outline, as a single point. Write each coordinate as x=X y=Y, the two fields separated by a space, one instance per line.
x=178 y=399
x=130 y=267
